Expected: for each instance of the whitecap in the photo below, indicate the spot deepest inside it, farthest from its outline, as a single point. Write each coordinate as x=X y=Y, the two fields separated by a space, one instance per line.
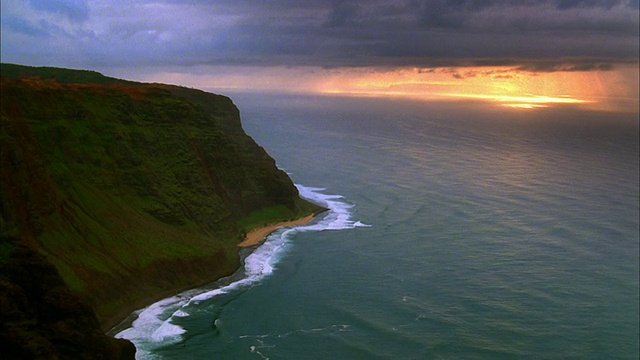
x=180 y=313
x=339 y=215
x=151 y=319
x=154 y=327
x=168 y=332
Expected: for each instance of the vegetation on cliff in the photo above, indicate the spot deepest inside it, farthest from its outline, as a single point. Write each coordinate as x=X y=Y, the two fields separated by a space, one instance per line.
x=42 y=319
x=130 y=190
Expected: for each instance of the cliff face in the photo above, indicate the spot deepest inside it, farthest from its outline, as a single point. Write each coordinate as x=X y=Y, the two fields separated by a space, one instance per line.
x=130 y=190
x=42 y=319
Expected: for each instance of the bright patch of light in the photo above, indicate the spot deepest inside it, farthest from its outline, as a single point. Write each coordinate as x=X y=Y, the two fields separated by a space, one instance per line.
x=524 y=102
x=615 y=90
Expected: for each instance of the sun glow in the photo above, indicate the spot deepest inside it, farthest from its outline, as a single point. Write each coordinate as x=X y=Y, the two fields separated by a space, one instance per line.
x=525 y=102
x=613 y=90
x=502 y=86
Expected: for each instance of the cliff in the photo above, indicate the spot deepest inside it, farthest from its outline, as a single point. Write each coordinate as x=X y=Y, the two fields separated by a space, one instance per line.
x=42 y=319
x=132 y=191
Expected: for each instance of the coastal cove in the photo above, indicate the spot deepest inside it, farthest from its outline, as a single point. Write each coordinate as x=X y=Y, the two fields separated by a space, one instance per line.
x=259 y=234
x=253 y=238
x=158 y=324
x=284 y=180
x=470 y=235
x=130 y=191
x=397 y=229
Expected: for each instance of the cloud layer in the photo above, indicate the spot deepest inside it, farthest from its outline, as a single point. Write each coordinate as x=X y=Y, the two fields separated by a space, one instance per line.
x=534 y=35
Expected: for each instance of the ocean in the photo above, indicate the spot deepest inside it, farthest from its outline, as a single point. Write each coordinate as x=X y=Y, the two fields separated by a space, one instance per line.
x=456 y=230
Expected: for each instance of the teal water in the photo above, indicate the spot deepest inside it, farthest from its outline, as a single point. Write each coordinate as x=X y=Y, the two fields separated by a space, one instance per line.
x=456 y=231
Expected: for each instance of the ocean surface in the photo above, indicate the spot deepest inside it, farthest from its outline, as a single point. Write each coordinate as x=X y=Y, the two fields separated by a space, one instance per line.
x=455 y=231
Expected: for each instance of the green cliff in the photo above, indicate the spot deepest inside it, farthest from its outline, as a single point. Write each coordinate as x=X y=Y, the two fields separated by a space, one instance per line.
x=132 y=191
x=42 y=319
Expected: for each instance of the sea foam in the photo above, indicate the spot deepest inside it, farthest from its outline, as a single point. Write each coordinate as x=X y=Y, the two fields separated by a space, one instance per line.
x=154 y=326
x=339 y=216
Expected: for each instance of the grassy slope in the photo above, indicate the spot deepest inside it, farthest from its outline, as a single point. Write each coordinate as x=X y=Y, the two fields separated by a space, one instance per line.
x=131 y=189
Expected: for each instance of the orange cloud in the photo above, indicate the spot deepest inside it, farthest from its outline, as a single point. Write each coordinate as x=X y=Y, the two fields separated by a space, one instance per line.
x=613 y=90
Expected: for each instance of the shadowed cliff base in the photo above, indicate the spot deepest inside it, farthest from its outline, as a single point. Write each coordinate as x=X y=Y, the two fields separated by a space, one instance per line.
x=42 y=319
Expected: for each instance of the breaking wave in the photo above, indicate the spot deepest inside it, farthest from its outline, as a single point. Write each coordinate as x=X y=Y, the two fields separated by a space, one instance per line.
x=154 y=326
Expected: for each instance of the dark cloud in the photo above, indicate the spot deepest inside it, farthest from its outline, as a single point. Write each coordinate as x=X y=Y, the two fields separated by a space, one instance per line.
x=503 y=76
x=74 y=10
x=442 y=14
x=341 y=13
x=569 y=4
x=550 y=66
x=22 y=26
x=535 y=35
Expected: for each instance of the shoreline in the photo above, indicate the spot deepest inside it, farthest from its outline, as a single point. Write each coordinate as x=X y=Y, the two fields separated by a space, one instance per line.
x=255 y=237
x=259 y=234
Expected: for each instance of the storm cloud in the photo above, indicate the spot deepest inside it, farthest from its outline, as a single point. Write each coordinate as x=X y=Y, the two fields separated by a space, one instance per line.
x=563 y=35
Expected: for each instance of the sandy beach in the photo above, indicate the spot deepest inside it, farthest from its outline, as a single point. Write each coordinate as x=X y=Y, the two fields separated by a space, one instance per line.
x=124 y=318
x=257 y=235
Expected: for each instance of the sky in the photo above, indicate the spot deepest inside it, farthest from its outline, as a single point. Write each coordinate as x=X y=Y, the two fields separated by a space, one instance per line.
x=521 y=54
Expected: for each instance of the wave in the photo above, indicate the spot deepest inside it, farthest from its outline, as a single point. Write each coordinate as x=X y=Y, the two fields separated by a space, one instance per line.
x=154 y=326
